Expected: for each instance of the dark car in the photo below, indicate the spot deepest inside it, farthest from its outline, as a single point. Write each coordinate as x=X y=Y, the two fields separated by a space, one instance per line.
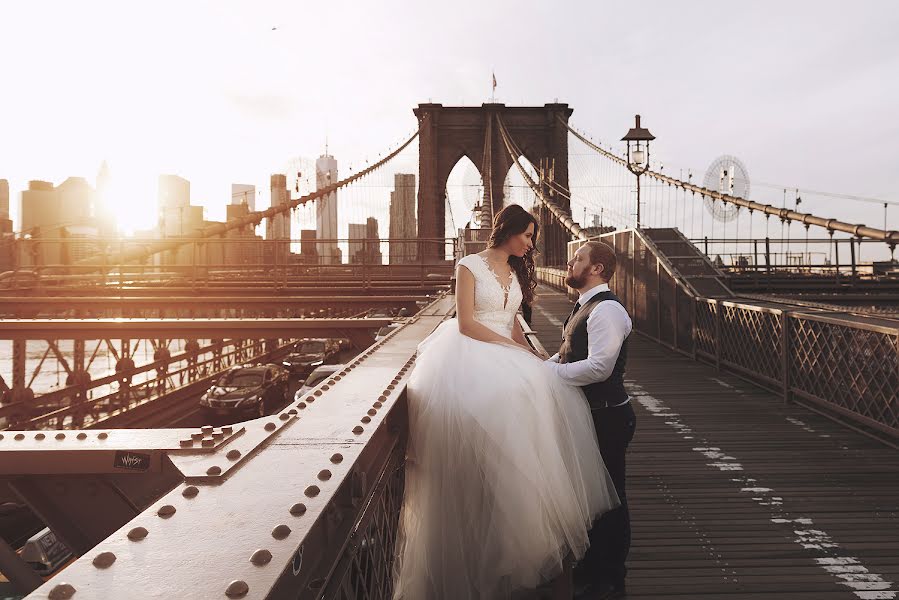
x=308 y=355
x=250 y=391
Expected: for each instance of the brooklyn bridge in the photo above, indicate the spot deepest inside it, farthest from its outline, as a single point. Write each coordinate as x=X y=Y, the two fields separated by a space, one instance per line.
x=764 y=368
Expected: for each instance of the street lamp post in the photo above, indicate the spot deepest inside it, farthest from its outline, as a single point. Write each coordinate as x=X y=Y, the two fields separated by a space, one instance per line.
x=638 y=157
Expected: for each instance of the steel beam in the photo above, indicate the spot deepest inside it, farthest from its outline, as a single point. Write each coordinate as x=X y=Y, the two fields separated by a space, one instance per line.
x=98 y=329
x=266 y=506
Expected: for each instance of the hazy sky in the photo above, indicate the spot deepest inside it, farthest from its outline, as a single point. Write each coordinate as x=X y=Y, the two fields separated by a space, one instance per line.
x=804 y=93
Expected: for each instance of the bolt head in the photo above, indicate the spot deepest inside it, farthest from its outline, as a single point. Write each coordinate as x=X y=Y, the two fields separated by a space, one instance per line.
x=190 y=491
x=81 y=436
x=103 y=436
x=166 y=511
x=284 y=416
x=261 y=557
x=298 y=509
x=280 y=532
x=60 y=436
x=324 y=475
x=312 y=491
x=237 y=589
x=104 y=560
x=270 y=426
x=337 y=459
x=63 y=591
x=233 y=454
x=214 y=470
x=137 y=534
x=358 y=429
x=39 y=437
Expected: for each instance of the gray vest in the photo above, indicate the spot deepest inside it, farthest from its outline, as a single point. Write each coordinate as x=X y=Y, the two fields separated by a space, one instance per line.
x=574 y=348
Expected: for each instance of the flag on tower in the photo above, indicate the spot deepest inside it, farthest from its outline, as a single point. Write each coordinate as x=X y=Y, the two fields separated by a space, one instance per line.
x=494 y=81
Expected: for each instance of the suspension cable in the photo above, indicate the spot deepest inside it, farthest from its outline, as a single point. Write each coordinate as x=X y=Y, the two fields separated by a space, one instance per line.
x=564 y=218
x=857 y=230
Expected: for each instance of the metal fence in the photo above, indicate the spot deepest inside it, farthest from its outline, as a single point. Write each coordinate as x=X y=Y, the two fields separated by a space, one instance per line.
x=847 y=364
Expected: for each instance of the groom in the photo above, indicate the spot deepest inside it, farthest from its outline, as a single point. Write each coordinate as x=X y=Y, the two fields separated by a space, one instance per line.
x=593 y=355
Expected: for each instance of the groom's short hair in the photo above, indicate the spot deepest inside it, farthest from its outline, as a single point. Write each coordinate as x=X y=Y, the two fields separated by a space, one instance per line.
x=603 y=254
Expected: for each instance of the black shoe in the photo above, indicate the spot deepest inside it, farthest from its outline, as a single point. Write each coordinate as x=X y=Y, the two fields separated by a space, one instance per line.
x=602 y=591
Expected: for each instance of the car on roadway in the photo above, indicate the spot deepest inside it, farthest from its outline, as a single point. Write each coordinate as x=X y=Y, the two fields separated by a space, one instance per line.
x=246 y=391
x=383 y=332
x=309 y=354
x=318 y=375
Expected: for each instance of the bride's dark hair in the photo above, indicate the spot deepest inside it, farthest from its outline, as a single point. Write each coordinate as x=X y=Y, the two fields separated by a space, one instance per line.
x=510 y=221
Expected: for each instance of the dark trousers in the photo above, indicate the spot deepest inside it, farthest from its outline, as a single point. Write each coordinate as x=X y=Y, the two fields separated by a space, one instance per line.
x=610 y=537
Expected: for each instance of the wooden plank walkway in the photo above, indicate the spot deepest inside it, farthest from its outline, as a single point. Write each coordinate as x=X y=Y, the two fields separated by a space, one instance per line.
x=735 y=495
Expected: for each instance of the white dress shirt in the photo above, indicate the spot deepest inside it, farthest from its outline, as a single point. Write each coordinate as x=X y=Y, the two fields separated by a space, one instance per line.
x=607 y=327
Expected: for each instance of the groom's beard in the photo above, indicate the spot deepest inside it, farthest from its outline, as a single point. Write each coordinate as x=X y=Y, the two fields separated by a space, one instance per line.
x=575 y=282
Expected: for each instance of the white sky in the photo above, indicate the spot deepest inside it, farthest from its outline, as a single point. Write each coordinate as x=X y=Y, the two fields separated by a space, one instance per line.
x=804 y=93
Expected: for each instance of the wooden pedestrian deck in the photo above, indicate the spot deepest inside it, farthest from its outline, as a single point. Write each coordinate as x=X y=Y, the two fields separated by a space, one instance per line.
x=735 y=495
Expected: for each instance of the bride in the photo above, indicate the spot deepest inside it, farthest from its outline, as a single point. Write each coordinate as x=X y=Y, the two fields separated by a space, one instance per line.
x=503 y=472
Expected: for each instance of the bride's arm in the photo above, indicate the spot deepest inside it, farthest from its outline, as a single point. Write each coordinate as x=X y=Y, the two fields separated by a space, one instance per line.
x=465 y=313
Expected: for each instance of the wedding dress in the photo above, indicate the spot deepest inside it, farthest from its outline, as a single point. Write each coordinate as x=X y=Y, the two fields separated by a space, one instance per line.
x=503 y=472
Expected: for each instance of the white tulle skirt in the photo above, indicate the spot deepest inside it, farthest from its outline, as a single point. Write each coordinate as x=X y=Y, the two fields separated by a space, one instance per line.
x=503 y=472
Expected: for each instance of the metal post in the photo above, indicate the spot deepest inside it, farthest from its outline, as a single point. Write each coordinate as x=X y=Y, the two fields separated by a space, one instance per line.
x=755 y=255
x=658 y=302
x=785 y=355
x=852 y=256
x=717 y=305
x=18 y=363
x=694 y=328
x=768 y=255
x=836 y=257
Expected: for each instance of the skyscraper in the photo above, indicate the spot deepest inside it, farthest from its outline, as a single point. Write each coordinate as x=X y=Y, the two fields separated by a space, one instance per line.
x=278 y=227
x=244 y=193
x=326 y=210
x=4 y=199
x=402 y=219
x=40 y=206
x=173 y=197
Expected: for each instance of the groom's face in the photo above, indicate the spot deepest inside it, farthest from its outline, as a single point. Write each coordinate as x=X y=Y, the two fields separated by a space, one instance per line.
x=580 y=271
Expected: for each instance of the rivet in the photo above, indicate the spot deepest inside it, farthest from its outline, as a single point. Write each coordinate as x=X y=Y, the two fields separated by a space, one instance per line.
x=214 y=470
x=298 y=509
x=237 y=589
x=137 y=534
x=233 y=454
x=19 y=437
x=206 y=443
x=395 y=380
x=103 y=436
x=1 y=436
x=196 y=436
x=377 y=405
x=270 y=426
x=312 y=491
x=337 y=459
x=166 y=511
x=301 y=405
x=280 y=532
x=81 y=436
x=366 y=419
x=190 y=491
x=391 y=387
x=39 y=436
x=317 y=393
x=324 y=474
x=186 y=443
x=60 y=436
x=227 y=429
x=104 y=560
x=386 y=393
x=261 y=557
x=292 y=412
x=331 y=381
x=207 y=429
x=326 y=387
x=372 y=412
x=382 y=398
x=358 y=429
x=337 y=377
x=284 y=416
x=62 y=592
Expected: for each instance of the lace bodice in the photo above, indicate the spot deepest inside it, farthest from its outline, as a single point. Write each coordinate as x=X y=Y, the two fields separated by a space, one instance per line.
x=495 y=301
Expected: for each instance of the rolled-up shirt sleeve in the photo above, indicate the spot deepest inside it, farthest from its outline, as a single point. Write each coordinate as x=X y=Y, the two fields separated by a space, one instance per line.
x=607 y=327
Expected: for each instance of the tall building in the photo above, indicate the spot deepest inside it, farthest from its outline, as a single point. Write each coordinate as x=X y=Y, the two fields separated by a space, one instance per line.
x=363 y=242
x=76 y=197
x=4 y=199
x=402 y=219
x=326 y=210
x=174 y=199
x=278 y=227
x=40 y=206
x=244 y=193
